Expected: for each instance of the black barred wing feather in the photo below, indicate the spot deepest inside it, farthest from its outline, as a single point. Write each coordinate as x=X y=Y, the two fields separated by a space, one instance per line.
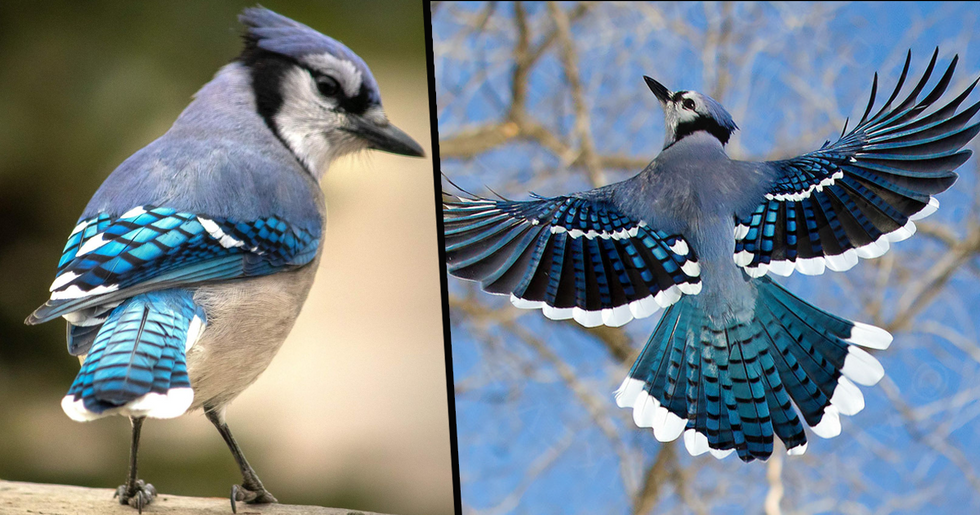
x=852 y=199
x=108 y=259
x=572 y=256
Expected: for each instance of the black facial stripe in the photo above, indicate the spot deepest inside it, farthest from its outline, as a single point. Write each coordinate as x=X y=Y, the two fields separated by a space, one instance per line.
x=677 y=96
x=267 y=70
x=703 y=123
x=357 y=104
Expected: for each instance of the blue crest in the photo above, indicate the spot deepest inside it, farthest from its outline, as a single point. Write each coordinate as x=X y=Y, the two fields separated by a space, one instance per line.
x=276 y=33
x=720 y=115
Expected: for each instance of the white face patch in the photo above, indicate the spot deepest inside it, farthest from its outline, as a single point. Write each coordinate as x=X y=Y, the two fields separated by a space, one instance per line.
x=684 y=115
x=304 y=118
x=342 y=70
x=310 y=123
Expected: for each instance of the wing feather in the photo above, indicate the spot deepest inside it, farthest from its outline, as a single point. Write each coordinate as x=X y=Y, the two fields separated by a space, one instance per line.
x=148 y=248
x=572 y=256
x=852 y=198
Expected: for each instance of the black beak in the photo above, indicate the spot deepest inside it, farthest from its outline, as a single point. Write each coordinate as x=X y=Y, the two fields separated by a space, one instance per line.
x=385 y=137
x=663 y=94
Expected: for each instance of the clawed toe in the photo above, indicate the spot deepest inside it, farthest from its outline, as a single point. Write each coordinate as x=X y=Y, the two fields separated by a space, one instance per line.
x=257 y=495
x=138 y=495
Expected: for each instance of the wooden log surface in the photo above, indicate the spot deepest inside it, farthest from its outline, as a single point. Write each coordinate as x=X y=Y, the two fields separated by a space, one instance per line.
x=34 y=498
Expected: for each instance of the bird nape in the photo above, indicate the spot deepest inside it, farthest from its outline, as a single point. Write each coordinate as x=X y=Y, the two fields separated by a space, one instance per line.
x=189 y=266
x=736 y=358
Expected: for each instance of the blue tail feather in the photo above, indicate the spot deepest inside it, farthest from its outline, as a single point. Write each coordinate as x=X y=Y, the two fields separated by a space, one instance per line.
x=655 y=351
x=785 y=421
x=733 y=383
x=801 y=344
x=139 y=350
x=805 y=393
x=718 y=424
x=746 y=376
x=80 y=338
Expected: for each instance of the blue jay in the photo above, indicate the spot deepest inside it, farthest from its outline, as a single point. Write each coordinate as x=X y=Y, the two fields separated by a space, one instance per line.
x=697 y=233
x=191 y=262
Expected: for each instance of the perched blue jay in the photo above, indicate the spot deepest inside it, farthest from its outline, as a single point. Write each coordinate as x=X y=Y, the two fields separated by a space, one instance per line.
x=190 y=264
x=696 y=232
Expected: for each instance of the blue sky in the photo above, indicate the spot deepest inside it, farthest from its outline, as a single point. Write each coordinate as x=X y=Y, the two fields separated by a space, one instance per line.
x=512 y=406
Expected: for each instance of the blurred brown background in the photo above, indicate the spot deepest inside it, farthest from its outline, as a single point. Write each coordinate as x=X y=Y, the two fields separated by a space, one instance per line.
x=353 y=410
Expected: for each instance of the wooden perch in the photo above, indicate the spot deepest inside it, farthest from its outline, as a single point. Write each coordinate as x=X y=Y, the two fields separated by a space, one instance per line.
x=17 y=497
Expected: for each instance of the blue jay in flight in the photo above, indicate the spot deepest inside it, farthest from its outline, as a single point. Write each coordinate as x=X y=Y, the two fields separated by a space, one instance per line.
x=698 y=233
x=190 y=264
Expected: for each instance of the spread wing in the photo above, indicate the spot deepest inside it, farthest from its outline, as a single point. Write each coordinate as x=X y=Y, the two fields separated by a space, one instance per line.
x=572 y=256
x=148 y=248
x=852 y=198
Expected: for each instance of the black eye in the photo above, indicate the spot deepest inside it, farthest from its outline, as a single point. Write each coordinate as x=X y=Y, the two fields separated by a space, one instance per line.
x=328 y=86
x=688 y=104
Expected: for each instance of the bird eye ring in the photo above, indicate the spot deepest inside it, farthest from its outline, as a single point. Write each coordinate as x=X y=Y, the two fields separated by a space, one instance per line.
x=688 y=104
x=328 y=86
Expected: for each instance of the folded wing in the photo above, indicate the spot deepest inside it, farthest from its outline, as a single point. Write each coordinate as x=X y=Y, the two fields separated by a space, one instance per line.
x=151 y=248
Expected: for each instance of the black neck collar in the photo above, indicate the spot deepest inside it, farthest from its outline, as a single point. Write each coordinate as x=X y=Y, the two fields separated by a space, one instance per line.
x=702 y=123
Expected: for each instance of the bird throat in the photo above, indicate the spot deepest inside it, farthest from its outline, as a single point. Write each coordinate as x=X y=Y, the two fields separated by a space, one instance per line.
x=702 y=123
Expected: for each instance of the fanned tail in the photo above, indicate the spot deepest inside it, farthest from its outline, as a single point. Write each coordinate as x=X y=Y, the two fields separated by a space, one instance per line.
x=730 y=385
x=136 y=364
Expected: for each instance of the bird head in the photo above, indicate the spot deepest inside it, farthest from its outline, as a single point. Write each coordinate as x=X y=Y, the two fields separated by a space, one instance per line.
x=687 y=112
x=314 y=93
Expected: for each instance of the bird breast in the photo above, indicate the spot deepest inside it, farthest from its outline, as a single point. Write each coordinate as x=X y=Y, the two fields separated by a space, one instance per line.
x=248 y=320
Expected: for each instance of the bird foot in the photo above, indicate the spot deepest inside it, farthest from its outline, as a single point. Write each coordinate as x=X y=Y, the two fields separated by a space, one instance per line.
x=137 y=495
x=255 y=495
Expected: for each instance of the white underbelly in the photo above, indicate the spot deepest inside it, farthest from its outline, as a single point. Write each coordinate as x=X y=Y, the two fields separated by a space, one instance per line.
x=247 y=322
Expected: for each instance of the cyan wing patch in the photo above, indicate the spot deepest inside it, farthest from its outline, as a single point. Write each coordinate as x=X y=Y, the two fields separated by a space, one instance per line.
x=82 y=232
x=137 y=364
x=150 y=248
x=851 y=199
x=571 y=256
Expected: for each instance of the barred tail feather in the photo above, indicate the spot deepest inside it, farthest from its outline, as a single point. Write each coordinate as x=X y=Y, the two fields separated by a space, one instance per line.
x=80 y=338
x=731 y=385
x=137 y=365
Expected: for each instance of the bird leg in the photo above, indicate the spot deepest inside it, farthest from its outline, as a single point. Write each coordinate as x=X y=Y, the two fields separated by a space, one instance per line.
x=251 y=490
x=135 y=492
